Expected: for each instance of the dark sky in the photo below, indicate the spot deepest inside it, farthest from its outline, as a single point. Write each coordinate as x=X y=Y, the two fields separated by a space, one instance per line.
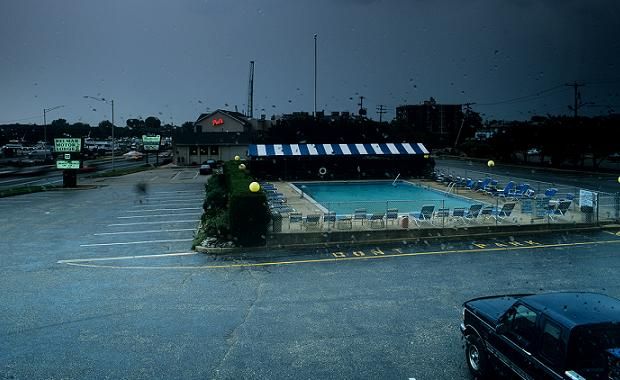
x=176 y=59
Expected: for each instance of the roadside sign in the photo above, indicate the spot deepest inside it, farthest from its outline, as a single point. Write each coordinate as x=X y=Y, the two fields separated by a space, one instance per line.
x=587 y=198
x=68 y=145
x=68 y=164
x=67 y=156
x=151 y=142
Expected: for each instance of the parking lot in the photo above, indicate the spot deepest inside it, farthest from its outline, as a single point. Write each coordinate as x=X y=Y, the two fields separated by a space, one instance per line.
x=98 y=285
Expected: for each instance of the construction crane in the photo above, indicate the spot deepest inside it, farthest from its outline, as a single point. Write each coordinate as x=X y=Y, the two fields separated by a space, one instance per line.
x=250 y=112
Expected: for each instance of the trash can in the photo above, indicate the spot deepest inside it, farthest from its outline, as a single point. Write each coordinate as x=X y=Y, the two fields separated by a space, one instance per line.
x=588 y=214
x=404 y=222
x=276 y=219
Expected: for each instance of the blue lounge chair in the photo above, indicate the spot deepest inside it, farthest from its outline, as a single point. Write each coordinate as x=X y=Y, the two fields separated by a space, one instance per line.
x=486 y=212
x=313 y=221
x=472 y=213
x=424 y=215
x=505 y=191
x=470 y=184
x=505 y=211
x=560 y=209
x=391 y=215
x=330 y=218
x=377 y=220
x=458 y=214
x=551 y=192
x=482 y=186
x=519 y=191
x=294 y=218
x=360 y=214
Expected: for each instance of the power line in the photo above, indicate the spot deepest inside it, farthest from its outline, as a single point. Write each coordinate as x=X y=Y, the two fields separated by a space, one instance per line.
x=526 y=97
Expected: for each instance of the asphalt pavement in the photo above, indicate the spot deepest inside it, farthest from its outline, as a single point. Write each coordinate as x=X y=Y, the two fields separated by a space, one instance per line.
x=101 y=283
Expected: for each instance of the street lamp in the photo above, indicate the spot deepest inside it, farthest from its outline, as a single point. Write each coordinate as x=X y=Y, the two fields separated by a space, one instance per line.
x=45 y=111
x=111 y=101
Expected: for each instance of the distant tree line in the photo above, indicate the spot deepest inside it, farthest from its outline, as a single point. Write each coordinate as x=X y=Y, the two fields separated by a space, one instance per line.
x=32 y=133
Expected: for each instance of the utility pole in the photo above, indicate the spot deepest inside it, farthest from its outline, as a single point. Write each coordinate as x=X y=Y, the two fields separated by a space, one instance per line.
x=250 y=111
x=45 y=111
x=314 y=113
x=577 y=97
x=381 y=110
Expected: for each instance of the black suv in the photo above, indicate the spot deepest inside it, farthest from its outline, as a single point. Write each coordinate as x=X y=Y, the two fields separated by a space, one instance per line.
x=545 y=336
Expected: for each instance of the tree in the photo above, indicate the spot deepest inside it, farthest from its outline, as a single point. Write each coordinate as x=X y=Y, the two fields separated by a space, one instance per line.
x=60 y=123
x=105 y=124
x=152 y=124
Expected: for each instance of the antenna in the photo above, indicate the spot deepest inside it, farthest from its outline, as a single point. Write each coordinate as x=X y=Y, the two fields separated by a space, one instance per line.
x=250 y=111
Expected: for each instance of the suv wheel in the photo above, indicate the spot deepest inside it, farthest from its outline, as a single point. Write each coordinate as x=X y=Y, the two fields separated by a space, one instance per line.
x=476 y=356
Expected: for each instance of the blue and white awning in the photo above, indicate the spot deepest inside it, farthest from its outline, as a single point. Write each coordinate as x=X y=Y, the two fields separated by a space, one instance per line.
x=268 y=150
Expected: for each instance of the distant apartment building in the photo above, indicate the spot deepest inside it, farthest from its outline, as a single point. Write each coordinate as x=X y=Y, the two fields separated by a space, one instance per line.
x=440 y=123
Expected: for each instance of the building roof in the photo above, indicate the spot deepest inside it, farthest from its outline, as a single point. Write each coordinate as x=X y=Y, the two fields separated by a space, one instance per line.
x=267 y=150
x=234 y=115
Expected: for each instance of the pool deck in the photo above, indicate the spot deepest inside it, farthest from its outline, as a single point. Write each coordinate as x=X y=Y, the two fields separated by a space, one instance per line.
x=301 y=204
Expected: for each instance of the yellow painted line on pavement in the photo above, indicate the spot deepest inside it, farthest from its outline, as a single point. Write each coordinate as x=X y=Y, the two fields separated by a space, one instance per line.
x=333 y=260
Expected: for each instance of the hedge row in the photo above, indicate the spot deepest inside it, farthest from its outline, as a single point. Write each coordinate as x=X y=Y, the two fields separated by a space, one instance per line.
x=232 y=211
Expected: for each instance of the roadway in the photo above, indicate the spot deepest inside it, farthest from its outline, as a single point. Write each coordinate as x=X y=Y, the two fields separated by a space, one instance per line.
x=53 y=176
x=102 y=284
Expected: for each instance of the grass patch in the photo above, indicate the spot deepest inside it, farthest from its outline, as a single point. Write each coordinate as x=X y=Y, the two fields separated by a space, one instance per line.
x=24 y=190
x=120 y=172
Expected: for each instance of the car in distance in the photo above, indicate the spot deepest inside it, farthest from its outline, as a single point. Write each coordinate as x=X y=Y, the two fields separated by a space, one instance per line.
x=543 y=336
x=206 y=169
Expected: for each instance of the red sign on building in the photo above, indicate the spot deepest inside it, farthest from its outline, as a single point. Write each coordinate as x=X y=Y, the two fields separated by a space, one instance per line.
x=217 y=122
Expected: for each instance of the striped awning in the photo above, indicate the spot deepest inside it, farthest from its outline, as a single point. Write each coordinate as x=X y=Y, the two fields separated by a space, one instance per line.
x=267 y=150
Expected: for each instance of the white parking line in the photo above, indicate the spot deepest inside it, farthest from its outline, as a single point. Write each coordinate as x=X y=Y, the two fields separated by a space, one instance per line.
x=166 y=209
x=155 y=216
x=143 y=232
x=164 y=222
x=134 y=242
x=126 y=257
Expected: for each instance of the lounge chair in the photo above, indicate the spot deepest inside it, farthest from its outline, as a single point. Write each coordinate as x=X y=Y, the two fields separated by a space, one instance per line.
x=313 y=221
x=491 y=188
x=330 y=217
x=294 y=218
x=482 y=185
x=551 y=192
x=470 y=183
x=519 y=191
x=377 y=220
x=505 y=211
x=486 y=212
x=561 y=208
x=442 y=213
x=458 y=214
x=472 y=213
x=505 y=191
x=360 y=214
x=391 y=215
x=344 y=221
x=424 y=215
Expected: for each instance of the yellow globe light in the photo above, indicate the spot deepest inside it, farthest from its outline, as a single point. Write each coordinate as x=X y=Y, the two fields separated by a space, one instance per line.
x=242 y=166
x=237 y=158
x=491 y=163
x=618 y=179
x=254 y=187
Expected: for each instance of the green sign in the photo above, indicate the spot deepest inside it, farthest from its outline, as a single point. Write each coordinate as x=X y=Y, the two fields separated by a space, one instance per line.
x=68 y=145
x=151 y=142
x=68 y=164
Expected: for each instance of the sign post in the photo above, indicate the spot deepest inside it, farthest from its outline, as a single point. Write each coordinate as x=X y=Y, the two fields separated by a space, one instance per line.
x=68 y=159
x=151 y=144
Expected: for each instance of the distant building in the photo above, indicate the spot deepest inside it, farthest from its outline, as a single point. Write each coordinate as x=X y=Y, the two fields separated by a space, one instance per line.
x=219 y=135
x=439 y=122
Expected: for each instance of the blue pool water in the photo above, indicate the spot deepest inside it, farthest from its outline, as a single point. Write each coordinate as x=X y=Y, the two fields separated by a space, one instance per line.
x=377 y=196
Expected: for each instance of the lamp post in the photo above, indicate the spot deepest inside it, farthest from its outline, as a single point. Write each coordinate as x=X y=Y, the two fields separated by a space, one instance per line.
x=111 y=102
x=45 y=111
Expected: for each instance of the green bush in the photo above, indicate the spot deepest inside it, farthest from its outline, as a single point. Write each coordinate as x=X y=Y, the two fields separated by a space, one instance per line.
x=231 y=210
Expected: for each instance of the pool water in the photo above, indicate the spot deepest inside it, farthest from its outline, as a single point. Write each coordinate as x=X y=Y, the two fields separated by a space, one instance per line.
x=378 y=196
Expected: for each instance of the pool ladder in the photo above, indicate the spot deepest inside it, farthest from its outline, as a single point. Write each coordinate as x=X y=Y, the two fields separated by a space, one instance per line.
x=451 y=187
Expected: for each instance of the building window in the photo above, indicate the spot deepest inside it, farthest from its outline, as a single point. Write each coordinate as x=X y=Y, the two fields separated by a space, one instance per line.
x=204 y=150
x=214 y=151
x=193 y=150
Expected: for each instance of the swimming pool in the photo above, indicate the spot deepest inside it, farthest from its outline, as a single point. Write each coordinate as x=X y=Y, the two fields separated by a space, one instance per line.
x=377 y=196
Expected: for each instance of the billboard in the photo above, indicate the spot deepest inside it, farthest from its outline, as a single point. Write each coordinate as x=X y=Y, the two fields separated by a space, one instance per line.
x=68 y=145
